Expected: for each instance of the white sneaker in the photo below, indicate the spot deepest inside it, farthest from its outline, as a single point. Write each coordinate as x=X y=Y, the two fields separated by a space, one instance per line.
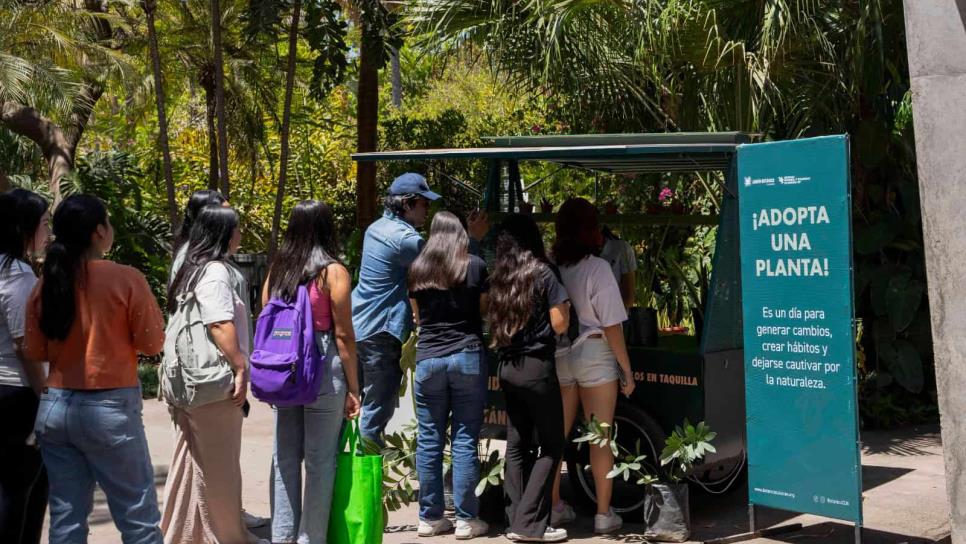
x=470 y=528
x=607 y=523
x=253 y=522
x=433 y=528
x=563 y=516
x=550 y=535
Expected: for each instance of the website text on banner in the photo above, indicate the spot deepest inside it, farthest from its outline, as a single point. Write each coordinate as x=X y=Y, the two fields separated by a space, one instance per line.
x=796 y=283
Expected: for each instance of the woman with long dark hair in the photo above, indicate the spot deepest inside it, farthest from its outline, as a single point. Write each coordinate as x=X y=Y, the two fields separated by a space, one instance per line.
x=202 y=495
x=528 y=307
x=24 y=229
x=197 y=201
x=310 y=434
x=447 y=289
x=89 y=318
x=595 y=367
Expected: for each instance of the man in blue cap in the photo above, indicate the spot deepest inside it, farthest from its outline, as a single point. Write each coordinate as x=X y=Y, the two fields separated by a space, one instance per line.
x=381 y=314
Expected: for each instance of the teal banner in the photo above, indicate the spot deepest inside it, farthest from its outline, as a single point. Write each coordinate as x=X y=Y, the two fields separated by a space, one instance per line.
x=799 y=337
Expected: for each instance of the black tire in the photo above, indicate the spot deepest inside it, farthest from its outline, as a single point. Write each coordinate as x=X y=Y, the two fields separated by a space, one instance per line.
x=632 y=424
x=726 y=476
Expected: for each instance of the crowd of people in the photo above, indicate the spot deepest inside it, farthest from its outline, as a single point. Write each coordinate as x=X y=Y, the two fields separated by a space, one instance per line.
x=70 y=338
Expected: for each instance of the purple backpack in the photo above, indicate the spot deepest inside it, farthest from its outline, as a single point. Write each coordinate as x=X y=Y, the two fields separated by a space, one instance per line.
x=286 y=364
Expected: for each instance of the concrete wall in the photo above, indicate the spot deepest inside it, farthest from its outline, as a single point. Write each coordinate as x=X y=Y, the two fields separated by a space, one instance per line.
x=936 y=36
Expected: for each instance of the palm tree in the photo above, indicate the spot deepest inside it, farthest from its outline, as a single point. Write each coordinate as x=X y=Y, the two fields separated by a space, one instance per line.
x=55 y=60
x=217 y=48
x=293 y=39
x=150 y=7
x=375 y=23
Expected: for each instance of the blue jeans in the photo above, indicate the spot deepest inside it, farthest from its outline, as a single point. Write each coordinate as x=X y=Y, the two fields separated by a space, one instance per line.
x=381 y=377
x=89 y=436
x=308 y=434
x=455 y=386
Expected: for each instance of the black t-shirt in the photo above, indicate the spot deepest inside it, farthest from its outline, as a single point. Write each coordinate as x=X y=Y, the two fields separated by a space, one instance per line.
x=450 y=321
x=537 y=338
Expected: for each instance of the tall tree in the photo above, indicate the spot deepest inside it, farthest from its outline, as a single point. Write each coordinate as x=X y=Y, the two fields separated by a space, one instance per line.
x=218 y=48
x=51 y=103
x=150 y=8
x=377 y=39
x=324 y=34
x=293 y=45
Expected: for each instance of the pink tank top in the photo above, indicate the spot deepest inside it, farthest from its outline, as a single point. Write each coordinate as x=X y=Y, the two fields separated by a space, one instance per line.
x=321 y=308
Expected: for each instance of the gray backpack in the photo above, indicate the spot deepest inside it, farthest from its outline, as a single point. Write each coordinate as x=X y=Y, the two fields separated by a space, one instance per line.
x=193 y=371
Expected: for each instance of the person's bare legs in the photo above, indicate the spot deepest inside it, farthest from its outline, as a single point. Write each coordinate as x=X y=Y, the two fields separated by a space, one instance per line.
x=571 y=402
x=600 y=401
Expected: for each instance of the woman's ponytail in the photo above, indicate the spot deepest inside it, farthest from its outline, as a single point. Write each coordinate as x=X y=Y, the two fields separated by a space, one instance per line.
x=75 y=221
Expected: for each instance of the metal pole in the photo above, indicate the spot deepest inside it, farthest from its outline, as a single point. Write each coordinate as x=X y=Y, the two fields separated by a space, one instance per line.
x=858 y=533
x=752 y=519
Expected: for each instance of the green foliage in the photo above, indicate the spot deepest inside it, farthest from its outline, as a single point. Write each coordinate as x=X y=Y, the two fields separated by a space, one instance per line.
x=325 y=34
x=492 y=470
x=683 y=449
x=687 y=445
x=148 y=376
x=399 y=466
x=627 y=464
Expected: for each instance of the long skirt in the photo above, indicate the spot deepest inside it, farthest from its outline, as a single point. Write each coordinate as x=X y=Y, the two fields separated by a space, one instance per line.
x=202 y=496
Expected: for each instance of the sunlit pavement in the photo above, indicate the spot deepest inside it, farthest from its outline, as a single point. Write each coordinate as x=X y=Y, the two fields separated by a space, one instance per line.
x=905 y=497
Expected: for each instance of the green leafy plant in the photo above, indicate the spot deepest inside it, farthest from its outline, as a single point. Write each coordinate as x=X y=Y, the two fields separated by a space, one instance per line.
x=491 y=470
x=687 y=445
x=148 y=376
x=683 y=449
x=627 y=464
x=399 y=466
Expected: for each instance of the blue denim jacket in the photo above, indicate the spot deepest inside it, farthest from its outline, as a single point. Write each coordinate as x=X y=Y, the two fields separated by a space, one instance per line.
x=380 y=302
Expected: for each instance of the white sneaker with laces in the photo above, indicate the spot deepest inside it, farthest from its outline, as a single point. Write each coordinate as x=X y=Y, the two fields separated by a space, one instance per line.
x=607 y=523
x=253 y=522
x=470 y=528
x=550 y=535
x=435 y=527
x=563 y=516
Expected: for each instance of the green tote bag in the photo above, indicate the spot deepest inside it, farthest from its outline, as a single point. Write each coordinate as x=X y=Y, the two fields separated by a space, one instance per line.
x=357 y=514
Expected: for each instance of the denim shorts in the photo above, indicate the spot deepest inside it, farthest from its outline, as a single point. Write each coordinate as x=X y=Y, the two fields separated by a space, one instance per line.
x=588 y=364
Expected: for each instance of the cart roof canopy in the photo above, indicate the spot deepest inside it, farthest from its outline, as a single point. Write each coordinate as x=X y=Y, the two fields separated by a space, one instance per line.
x=612 y=153
x=628 y=154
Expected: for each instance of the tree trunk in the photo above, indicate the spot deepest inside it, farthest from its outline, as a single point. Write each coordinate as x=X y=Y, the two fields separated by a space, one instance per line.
x=220 y=96
x=367 y=119
x=149 y=10
x=58 y=145
x=208 y=84
x=397 y=96
x=293 y=36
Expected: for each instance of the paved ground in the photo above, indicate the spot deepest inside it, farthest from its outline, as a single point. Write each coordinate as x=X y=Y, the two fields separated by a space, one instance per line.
x=905 y=499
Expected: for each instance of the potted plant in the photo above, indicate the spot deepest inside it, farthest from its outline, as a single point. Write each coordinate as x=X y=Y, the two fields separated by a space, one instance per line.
x=526 y=208
x=667 y=514
x=546 y=206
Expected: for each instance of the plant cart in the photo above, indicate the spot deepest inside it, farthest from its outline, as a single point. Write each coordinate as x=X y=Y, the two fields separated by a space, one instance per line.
x=698 y=378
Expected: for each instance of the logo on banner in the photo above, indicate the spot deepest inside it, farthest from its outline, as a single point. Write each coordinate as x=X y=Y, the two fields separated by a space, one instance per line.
x=782 y=180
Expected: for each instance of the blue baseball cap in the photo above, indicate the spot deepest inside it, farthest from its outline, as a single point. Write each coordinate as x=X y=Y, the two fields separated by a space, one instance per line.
x=412 y=183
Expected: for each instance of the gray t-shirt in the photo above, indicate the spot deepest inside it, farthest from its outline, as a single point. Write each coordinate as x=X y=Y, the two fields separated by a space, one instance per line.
x=620 y=256
x=219 y=300
x=16 y=283
x=595 y=296
x=238 y=283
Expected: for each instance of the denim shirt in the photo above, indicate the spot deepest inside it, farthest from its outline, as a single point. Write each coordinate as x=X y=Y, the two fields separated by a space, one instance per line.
x=380 y=302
